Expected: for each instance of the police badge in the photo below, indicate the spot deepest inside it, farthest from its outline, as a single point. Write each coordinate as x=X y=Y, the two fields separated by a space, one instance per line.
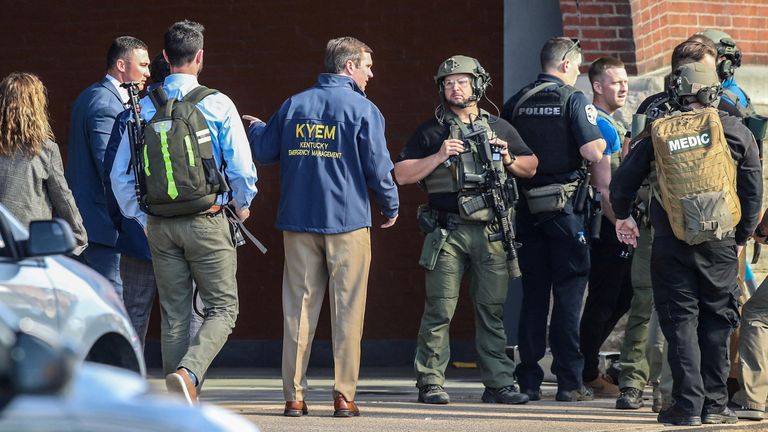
x=591 y=114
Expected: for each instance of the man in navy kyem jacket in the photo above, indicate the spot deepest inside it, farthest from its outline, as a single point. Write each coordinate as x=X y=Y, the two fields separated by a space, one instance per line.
x=329 y=141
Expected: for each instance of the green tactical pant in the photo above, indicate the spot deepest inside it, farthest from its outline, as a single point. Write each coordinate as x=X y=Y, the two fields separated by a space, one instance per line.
x=195 y=248
x=753 y=361
x=633 y=360
x=466 y=249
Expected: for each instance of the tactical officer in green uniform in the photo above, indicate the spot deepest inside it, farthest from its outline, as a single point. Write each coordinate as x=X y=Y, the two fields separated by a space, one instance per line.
x=449 y=156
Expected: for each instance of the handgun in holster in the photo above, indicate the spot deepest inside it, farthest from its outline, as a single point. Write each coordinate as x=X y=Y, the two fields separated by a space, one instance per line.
x=596 y=217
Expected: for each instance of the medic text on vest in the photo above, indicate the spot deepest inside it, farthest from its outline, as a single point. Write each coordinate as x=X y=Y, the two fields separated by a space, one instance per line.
x=551 y=110
x=688 y=142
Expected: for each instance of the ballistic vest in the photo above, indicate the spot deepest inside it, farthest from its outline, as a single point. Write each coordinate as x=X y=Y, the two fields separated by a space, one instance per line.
x=745 y=111
x=696 y=175
x=544 y=124
x=464 y=172
x=621 y=131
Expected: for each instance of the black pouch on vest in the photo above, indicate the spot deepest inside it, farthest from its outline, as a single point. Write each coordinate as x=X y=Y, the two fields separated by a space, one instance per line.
x=433 y=244
x=546 y=199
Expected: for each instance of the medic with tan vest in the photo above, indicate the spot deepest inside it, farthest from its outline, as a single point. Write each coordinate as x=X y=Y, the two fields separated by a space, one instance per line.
x=703 y=209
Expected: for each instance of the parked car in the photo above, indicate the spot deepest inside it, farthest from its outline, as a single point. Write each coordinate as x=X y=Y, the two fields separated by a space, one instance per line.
x=44 y=388
x=39 y=283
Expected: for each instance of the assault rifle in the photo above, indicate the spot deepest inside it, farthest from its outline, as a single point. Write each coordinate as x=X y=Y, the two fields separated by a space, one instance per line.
x=135 y=129
x=497 y=195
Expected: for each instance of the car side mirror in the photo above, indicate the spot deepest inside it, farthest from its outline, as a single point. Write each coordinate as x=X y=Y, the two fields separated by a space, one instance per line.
x=50 y=237
x=38 y=367
x=33 y=362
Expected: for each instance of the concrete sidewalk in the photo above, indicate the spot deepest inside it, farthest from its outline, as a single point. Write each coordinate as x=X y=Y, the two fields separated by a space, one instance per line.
x=387 y=401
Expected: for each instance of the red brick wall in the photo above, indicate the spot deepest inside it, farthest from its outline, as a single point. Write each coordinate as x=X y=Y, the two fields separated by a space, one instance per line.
x=643 y=33
x=604 y=28
x=659 y=26
x=259 y=53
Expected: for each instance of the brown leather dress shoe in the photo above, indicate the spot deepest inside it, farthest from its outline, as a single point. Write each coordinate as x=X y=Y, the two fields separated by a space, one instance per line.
x=295 y=409
x=344 y=408
x=180 y=383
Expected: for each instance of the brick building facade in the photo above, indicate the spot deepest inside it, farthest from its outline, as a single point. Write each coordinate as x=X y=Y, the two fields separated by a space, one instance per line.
x=642 y=33
x=260 y=52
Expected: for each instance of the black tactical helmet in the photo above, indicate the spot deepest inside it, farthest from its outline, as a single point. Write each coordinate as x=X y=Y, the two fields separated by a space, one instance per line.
x=726 y=47
x=694 y=82
x=462 y=64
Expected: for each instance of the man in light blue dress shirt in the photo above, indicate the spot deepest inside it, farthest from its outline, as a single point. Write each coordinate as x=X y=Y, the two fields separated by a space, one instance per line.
x=196 y=247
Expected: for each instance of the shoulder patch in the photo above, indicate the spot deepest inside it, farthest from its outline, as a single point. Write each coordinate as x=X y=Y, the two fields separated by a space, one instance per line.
x=591 y=113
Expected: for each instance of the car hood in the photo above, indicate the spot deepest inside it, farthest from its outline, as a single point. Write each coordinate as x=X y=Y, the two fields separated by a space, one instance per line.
x=102 y=398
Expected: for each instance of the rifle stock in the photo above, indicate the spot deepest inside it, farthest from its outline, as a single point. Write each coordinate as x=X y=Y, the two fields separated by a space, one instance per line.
x=135 y=129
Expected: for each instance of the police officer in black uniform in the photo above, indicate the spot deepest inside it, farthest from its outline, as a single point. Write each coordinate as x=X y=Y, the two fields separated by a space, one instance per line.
x=445 y=156
x=558 y=123
x=694 y=286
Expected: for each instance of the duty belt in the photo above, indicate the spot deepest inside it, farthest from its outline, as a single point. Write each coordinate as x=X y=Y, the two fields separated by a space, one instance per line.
x=449 y=220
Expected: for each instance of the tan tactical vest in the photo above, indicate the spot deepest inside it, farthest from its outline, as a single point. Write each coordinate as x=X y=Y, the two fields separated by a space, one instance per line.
x=696 y=175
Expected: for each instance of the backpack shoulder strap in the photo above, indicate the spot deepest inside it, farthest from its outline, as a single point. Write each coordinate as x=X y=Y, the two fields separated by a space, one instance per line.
x=198 y=93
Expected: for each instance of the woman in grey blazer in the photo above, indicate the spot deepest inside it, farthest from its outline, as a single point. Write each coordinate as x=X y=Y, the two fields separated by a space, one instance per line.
x=32 y=183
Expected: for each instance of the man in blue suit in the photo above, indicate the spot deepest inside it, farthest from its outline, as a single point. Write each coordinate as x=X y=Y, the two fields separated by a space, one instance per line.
x=93 y=116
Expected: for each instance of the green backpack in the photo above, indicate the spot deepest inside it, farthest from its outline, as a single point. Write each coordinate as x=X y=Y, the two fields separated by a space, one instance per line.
x=179 y=172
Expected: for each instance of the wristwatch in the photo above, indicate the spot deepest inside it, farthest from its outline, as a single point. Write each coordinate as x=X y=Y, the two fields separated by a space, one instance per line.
x=511 y=162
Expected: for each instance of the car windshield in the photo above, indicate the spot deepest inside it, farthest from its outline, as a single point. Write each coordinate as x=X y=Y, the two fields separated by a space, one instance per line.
x=18 y=231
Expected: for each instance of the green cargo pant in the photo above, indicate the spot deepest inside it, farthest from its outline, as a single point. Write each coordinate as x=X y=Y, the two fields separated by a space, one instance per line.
x=633 y=360
x=195 y=248
x=753 y=361
x=466 y=249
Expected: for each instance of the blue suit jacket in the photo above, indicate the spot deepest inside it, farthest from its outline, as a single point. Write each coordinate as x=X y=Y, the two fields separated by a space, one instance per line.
x=131 y=239
x=93 y=116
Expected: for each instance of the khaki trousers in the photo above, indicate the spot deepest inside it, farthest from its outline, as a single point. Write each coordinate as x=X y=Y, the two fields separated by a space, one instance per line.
x=184 y=249
x=753 y=358
x=312 y=262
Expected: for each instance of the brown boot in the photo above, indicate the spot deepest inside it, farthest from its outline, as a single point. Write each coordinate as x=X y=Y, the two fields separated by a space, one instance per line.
x=602 y=386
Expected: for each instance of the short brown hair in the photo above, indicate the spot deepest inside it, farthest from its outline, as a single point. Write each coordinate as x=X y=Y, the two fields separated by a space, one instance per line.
x=556 y=50
x=599 y=66
x=24 y=124
x=340 y=50
x=693 y=50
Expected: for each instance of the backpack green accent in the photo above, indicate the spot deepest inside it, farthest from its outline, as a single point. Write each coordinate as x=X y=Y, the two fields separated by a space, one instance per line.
x=178 y=147
x=146 y=162
x=172 y=192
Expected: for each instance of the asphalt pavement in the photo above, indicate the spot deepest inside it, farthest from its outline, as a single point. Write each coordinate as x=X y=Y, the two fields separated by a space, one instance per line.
x=387 y=401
